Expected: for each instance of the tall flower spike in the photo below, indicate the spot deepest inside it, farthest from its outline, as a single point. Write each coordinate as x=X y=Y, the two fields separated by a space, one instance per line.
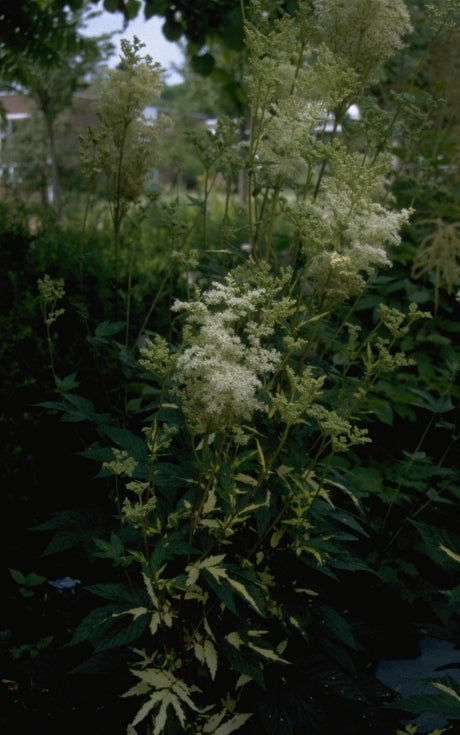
x=364 y=32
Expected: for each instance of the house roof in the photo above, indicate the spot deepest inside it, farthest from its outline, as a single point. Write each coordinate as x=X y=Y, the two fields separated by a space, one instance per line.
x=16 y=105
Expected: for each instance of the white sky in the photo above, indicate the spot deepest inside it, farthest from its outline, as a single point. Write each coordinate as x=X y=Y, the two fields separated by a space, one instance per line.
x=148 y=32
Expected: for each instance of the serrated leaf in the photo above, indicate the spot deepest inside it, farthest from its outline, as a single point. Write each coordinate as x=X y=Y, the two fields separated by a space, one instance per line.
x=161 y=716
x=213 y=722
x=169 y=547
x=115 y=591
x=217 y=572
x=68 y=383
x=135 y=612
x=243 y=591
x=180 y=714
x=168 y=476
x=214 y=561
x=127 y=440
x=193 y=572
x=210 y=657
x=383 y=410
x=93 y=625
x=235 y=640
x=62 y=541
x=210 y=503
x=150 y=591
x=267 y=653
x=122 y=636
x=78 y=409
x=336 y=625
x=155 y=621
x=221 y=589
x=434 y=538
x=233 y=724
x=112 y=549
x=147 y=707
x=246 y=663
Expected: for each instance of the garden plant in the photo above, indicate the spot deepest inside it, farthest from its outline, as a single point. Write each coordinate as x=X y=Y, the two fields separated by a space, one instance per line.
x=254 y=349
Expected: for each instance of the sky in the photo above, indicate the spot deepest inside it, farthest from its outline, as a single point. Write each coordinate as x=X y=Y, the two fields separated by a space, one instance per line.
x=148 y=32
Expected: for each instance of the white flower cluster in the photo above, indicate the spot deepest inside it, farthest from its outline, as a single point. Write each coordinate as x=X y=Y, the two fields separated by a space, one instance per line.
x=51 y=290
x=289 y=134
x=364 y=32
x=221 y=368
x=345 y=232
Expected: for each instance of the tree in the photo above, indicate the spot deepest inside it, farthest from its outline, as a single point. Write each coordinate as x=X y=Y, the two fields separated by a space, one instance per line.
x=38 y=29
x=53 y=85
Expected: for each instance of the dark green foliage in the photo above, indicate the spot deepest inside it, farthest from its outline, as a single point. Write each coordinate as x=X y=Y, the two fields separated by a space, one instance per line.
x=444 y=701
x=73 y=527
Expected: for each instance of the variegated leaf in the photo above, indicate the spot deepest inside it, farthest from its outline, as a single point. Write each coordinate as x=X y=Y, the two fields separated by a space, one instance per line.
x=233 y=724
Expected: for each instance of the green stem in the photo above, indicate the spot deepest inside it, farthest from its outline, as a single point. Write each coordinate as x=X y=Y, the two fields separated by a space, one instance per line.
x=406 y=472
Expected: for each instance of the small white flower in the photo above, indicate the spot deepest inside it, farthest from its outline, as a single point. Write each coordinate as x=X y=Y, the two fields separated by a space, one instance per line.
x=221 y=369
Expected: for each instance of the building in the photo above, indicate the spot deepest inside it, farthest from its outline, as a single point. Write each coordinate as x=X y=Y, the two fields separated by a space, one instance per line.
x=24 y=157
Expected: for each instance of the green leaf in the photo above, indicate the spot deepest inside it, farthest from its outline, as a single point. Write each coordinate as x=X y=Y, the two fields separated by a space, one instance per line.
x=112 y=549
x=434 y=539
x=74 y=527
x=108 y=329
x=132 y=8
x=445 y=702
x=450 y=553
x=247 y=662
x=169 y=476
x=221 y=589
x=34 y=580
x=70 y=382
x=233 y=724
x=248 y=592
x=426 y=400
x=203 y=63
x=77 y=409
x=172 y=545
x=103 y=662
x=336 y=625
x=118 y=592
x=122 y=633
x=111 y=6
x=17 y=576
x=127 y=440
x=287 y=713
x=97 y=453
x=367 y=479
x=93 y=625
x=383 y=410
x=350 y=562
x=107 y=628
x=171 y=29
x=206 y=653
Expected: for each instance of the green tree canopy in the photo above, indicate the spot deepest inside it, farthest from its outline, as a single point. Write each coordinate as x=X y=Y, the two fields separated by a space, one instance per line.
x=38 y=29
